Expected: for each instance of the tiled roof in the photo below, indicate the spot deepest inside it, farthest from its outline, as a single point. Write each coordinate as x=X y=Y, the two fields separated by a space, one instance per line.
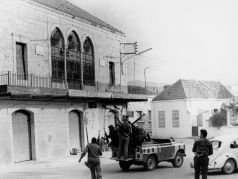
x=191 y=89
x=75 y=11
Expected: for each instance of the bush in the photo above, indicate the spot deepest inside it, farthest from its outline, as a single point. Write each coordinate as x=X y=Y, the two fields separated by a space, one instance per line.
x=219 y=119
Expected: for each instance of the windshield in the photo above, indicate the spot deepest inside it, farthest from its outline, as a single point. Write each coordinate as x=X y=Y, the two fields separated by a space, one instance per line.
x=216 y=144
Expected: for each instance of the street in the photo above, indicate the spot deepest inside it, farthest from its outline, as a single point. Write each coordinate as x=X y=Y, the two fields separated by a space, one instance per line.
x=71 y=169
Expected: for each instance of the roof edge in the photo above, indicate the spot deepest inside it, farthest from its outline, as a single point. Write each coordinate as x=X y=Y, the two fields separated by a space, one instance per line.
x=116 y=31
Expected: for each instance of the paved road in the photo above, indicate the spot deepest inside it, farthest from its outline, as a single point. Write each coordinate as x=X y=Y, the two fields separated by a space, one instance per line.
x=69 y=168
x=111 y=170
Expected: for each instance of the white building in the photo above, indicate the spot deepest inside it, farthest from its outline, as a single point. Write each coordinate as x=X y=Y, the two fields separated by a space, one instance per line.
x=186 y=106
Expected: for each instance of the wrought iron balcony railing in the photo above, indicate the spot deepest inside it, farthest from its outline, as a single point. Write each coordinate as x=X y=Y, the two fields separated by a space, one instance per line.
x=36 y=81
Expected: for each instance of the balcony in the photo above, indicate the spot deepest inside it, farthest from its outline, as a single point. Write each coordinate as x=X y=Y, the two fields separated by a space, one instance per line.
x=34 y=86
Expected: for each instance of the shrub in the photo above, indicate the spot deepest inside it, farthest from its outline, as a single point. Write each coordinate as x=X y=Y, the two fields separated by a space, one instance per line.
x=219 y=119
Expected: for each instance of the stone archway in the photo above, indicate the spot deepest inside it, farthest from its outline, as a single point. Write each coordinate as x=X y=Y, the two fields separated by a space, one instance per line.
x=23 y=132
x=76 y=130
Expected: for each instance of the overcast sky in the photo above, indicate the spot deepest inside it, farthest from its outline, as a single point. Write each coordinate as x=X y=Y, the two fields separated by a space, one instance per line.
x=191 y=39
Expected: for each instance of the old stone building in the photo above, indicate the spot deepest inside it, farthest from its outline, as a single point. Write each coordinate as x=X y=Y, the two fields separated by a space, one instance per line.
x=60 y=79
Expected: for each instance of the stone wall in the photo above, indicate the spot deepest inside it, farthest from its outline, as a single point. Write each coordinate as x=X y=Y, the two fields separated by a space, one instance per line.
x=50 y=136
x=51 y=128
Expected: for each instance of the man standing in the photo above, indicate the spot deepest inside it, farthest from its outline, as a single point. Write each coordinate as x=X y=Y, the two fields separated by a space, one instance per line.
x=114 y=136
x=202 y=149
x=93 y=162
x=124 y=137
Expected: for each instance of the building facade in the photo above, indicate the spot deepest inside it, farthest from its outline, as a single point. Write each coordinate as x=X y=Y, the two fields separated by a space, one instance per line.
x=186 y=106
x=137 y=109
x=60 y=79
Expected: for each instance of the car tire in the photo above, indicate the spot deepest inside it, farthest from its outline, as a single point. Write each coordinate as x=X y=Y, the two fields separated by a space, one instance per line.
x=229 y=166
x=124 y=165
x=150 y=163
x=178 y=160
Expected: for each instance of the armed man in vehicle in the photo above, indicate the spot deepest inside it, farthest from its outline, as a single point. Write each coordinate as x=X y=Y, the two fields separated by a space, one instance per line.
x=125 y=131
x=202 y=149
x=114 y=136
x=93 y=162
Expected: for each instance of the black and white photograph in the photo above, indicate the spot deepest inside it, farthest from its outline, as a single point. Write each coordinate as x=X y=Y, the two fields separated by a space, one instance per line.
x=129 y=89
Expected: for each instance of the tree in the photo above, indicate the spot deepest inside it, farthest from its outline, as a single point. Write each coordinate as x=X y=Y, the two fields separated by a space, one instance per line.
x=234 y=107
x=219 y=119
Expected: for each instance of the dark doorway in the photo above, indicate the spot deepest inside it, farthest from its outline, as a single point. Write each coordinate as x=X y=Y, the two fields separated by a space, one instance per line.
x=21 y=60
x=112 y=73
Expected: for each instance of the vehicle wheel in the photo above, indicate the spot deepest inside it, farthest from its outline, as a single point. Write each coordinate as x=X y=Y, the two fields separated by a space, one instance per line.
x=229 y=166
x=150 y=163
x=124 y=165
x=178 y=160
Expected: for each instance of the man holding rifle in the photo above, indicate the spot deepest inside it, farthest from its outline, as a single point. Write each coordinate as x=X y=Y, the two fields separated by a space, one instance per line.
x=125 y=131
x=114 y=136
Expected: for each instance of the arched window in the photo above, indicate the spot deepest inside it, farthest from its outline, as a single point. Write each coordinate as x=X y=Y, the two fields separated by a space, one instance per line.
x=57 y=55
x=88 y=63
x=73 y=57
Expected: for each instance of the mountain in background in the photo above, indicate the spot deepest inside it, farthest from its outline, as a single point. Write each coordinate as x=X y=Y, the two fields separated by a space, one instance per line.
x=151 y=87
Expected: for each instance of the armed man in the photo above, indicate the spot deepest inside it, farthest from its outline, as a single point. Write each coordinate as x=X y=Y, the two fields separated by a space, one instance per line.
x=125 y=131
x=114 y=136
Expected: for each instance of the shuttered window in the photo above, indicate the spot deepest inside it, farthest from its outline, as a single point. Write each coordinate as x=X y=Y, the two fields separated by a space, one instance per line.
x=175 y=118
x=161 y=117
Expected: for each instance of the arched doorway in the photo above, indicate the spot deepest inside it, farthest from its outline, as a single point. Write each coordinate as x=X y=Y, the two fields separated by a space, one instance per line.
x=57 y=55
x=23 y=136
x=76 y=130
x=73 y=58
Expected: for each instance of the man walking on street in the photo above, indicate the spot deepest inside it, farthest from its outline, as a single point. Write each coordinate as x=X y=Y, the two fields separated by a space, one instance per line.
x=202 y=149
x=93 y=162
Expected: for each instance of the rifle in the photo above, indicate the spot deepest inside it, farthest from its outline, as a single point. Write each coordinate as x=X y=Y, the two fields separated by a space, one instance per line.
x=105 y=137
x=137 y=119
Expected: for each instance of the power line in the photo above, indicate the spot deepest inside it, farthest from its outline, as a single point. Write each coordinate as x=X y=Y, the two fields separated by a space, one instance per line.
x=151 y=58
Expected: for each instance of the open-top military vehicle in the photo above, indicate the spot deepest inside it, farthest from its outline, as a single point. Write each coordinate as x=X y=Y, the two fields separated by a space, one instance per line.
x=150 y=152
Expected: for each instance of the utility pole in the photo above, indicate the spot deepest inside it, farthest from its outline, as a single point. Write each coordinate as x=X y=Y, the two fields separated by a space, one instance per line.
x=131 y=51
x=121 y=66
x=134 y=71
x=133 y=55
x=145 y=77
